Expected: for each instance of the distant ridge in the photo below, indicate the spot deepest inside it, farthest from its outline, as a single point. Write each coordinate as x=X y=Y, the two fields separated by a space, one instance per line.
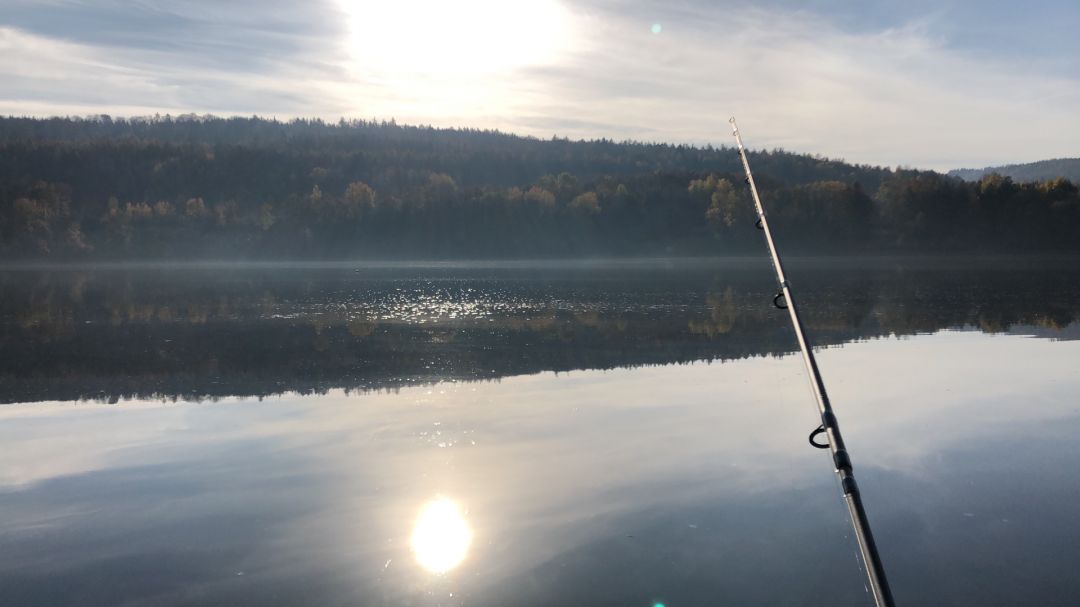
x=205 y=188
x=1042 y=170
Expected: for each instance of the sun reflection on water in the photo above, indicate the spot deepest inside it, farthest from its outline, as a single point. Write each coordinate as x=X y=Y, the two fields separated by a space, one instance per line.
x=441 y=536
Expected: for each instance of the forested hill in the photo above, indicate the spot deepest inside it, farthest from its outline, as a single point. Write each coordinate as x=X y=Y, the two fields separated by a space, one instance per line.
x=202 y=187
x=1043 y=170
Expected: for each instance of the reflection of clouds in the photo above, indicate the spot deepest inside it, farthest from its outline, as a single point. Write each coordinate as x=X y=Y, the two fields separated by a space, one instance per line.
x=551 y=464
x=902 y=401
x=976 y=378
x=43 y=441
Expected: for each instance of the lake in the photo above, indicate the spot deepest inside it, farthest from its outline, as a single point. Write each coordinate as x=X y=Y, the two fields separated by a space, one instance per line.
x=601 y=433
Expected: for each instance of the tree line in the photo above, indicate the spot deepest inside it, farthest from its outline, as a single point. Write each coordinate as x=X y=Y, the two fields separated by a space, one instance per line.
x=1041 y=170
x=193 y=187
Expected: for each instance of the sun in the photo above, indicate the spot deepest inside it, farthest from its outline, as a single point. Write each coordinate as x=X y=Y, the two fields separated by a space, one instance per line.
x=463 y=37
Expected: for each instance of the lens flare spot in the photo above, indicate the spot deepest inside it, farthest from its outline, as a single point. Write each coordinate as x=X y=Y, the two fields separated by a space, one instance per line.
x=441 y=536
x=656 y=29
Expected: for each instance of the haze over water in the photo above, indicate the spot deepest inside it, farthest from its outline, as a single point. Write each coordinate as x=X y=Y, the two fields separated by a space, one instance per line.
x=610 y=433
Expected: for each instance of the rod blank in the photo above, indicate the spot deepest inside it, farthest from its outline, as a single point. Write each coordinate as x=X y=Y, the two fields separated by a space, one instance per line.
x=875 y=571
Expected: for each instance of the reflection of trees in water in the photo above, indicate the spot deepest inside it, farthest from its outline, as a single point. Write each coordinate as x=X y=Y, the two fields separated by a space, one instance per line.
x=722 y=315
x=110 y=335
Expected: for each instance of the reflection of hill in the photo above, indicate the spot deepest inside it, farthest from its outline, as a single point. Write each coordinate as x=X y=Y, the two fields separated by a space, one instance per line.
x=205 y=334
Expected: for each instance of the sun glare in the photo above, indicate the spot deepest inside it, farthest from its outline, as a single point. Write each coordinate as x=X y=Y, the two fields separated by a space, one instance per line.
x=441 y=536
x=448 y=38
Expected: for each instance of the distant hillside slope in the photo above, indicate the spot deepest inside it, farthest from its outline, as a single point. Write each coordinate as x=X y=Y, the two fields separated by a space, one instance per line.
x=1069 y=168
x=387 y=151
x=196 y=187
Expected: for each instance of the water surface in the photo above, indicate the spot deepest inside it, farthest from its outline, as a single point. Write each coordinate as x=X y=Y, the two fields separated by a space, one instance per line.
x=610 y=433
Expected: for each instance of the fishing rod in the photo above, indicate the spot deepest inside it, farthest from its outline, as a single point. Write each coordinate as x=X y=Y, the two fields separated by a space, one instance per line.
x=829 y=427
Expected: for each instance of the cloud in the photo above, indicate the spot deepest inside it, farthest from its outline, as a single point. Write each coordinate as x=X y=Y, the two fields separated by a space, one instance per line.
x=883 y=85
x=242 y=34
x=77 y=57
x=888 y=96
x=47 y=76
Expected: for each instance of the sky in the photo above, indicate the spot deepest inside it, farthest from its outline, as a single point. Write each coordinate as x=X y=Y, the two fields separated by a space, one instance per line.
x=939 y=85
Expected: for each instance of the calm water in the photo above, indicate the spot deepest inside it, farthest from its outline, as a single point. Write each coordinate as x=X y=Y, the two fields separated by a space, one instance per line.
x=621 y=434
